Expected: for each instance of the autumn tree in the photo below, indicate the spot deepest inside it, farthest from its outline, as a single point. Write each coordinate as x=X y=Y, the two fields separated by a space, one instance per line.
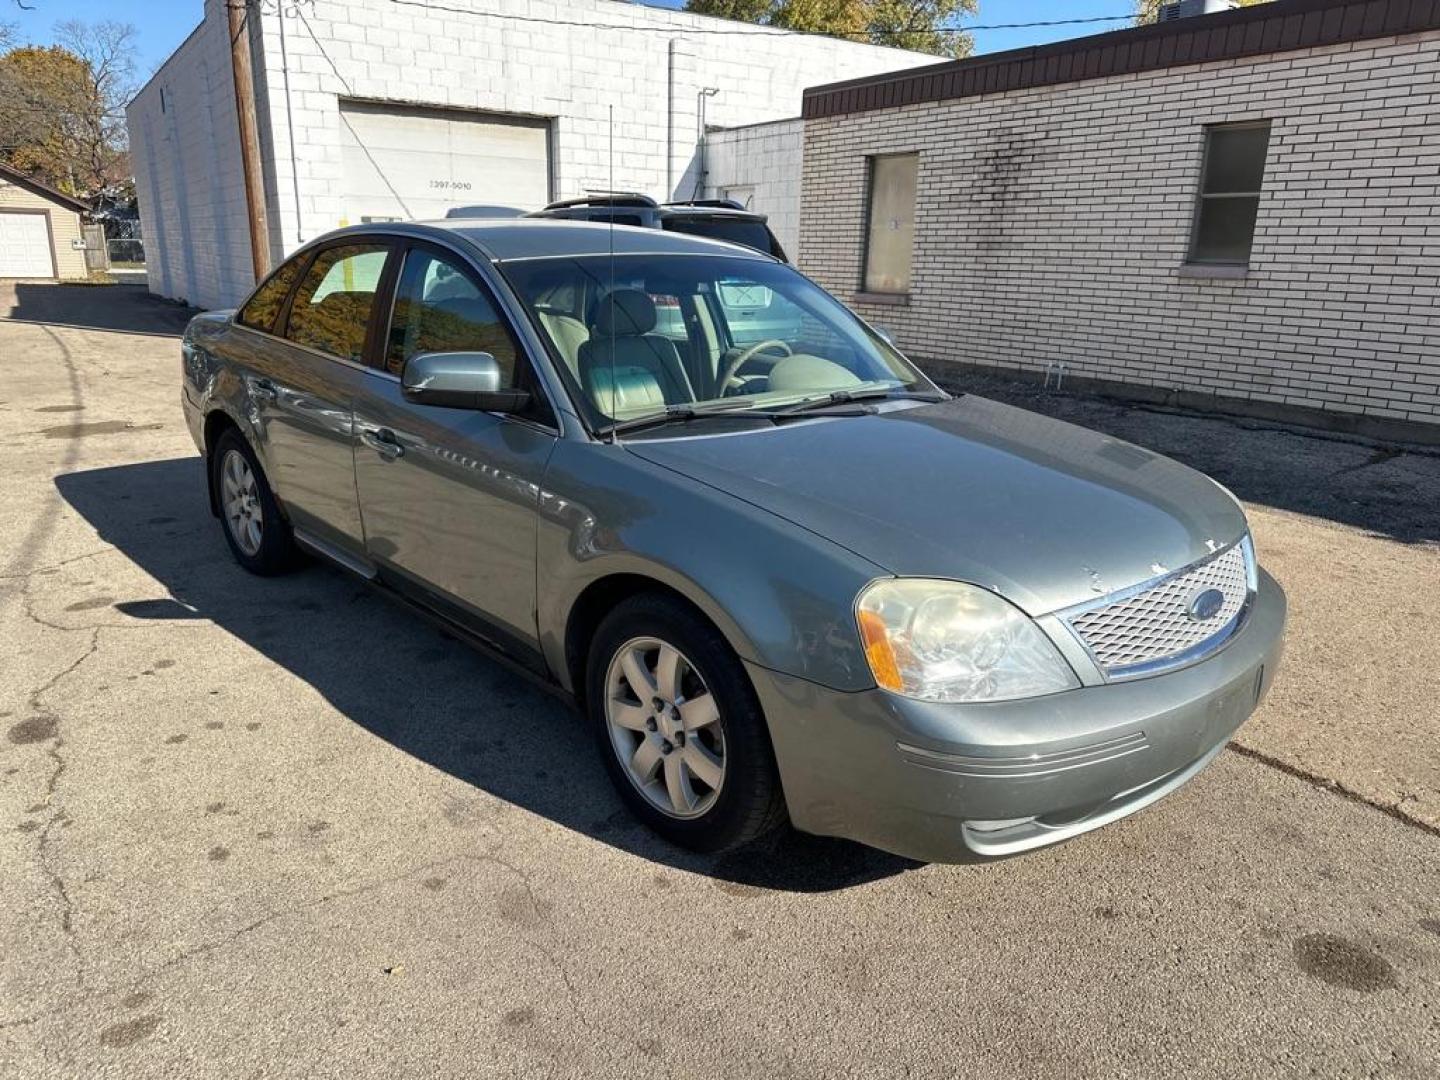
x=62 y=106
x=921 y=25
x=1147 y=11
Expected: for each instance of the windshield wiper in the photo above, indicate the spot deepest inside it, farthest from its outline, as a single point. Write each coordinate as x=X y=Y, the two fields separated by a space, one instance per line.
x=845 y=397
x=833 y=403
x=679 y=414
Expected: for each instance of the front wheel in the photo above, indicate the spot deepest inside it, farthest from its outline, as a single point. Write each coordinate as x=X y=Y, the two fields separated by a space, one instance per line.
x=680 y=728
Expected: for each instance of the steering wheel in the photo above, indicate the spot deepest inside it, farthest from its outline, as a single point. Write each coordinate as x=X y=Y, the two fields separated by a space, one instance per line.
x=740 y=361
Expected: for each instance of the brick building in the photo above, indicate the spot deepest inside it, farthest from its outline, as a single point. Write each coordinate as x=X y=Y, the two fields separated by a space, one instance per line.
x=405 y=108
x=1238 y=210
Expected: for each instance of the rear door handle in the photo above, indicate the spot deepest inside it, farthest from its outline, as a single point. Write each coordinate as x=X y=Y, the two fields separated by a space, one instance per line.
x=383 y=442
x=263 y=390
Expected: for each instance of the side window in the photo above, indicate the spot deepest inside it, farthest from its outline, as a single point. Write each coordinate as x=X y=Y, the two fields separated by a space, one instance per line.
x=261 y=310
x=1229 y=198
x=890 y=223
x=332 y=306
x=440 y=308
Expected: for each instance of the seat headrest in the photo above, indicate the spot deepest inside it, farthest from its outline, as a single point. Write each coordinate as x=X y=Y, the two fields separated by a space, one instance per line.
x=624 y=313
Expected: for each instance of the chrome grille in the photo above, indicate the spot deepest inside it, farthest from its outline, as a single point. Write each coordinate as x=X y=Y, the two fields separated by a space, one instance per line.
x=1153 y=625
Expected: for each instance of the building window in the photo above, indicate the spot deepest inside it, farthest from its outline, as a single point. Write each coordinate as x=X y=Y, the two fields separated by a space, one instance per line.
x=890 y=223
x=1230 y=180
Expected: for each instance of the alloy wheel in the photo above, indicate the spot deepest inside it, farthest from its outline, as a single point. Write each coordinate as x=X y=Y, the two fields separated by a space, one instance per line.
x=665 y=726
x=240 y=498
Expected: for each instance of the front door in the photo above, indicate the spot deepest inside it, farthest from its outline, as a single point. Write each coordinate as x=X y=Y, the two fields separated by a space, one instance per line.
x=304 y=392
x=449 y=496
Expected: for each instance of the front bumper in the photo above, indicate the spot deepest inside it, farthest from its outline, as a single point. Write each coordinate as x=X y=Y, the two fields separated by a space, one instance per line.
x=955 y=783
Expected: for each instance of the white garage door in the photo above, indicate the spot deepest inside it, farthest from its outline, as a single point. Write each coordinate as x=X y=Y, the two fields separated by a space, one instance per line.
x=25 y=245
x=418 y=163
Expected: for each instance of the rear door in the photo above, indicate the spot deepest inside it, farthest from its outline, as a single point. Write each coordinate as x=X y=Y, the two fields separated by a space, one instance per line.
x=449 y=496
x=303 y=391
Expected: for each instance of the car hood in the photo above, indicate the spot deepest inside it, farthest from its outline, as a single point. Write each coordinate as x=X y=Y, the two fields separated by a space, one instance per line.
x=1045 y=513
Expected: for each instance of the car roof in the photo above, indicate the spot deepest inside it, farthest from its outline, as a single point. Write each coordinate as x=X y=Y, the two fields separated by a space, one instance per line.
x=547 y=238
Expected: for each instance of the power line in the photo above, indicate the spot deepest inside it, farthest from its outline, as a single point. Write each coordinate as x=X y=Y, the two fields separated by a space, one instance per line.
x=40 y=110
x=739 y=31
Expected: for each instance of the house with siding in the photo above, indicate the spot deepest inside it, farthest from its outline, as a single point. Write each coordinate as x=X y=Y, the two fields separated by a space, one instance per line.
x=39 y=229
x=1238 y=211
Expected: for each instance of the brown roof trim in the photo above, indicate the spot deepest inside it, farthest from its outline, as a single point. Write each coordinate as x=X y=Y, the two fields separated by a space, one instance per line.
x=43 y=190
x=1266 y=28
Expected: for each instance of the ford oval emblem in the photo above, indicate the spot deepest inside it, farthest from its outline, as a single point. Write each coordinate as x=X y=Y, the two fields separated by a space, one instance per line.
x=1205 y=604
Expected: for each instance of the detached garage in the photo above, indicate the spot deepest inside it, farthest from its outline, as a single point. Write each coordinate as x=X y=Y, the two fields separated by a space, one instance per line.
x=39 y=230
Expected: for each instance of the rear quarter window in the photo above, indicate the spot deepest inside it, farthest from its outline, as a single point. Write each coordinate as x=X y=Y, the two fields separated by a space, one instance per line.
x=263 y=308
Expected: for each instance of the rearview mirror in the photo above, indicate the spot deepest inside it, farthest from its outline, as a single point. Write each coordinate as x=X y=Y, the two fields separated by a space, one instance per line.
x=459 y=380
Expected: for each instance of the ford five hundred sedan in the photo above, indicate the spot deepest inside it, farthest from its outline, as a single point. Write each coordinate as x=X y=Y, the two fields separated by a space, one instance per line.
x=785 y=578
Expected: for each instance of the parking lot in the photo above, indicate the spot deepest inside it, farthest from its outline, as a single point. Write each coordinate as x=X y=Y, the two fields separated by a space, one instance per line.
x=266 y=827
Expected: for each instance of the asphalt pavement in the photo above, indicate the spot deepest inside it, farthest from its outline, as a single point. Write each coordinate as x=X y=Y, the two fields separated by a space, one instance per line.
x=283 y=828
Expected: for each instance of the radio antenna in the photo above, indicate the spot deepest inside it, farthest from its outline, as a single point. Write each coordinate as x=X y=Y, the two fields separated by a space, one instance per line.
x=610 y=299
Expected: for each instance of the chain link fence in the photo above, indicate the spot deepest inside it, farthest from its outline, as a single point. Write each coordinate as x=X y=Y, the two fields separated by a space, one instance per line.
x=126 y=254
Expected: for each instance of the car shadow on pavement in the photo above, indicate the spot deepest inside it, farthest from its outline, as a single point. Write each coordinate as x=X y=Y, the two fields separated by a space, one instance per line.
x=395 y=675
x=126 y=308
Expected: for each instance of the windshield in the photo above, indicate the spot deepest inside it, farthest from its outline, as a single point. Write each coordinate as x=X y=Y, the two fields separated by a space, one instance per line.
x=662 y=332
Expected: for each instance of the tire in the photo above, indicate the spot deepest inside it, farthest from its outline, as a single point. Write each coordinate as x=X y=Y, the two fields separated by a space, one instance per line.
x=746 y=802
x=260 y=539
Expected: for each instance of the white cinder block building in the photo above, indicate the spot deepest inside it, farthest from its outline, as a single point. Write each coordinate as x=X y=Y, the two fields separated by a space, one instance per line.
x=404 y=108
x=1238 y=210
x=759 y=167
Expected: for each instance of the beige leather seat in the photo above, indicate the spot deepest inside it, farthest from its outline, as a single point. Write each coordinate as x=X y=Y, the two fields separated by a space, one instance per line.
x=568 y=334
x=625 y=369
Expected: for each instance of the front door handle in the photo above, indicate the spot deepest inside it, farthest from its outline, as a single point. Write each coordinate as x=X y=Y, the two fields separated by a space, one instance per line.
x=263 y=390
x=383 y=442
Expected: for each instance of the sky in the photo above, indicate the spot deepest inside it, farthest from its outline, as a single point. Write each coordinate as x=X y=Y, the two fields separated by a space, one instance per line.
x=163 y=24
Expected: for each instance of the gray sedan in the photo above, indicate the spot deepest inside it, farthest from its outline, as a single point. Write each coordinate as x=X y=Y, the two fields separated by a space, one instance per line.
x=781 y=578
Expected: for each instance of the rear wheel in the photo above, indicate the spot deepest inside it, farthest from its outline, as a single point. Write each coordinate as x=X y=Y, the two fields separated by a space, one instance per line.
x=680 y=728
x=258 y=535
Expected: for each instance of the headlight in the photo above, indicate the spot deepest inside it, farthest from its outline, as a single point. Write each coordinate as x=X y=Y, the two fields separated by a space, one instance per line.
x=948 y=641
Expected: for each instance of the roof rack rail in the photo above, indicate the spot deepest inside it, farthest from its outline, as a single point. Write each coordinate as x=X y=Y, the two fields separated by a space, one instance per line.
x=724 y=204
x=612 y=198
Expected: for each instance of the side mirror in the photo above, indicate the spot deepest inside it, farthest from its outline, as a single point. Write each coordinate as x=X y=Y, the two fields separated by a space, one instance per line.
x=887 y=335
x=459 y=380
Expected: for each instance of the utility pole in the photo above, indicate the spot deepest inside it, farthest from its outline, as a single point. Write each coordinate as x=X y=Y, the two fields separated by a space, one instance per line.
x=240 y=11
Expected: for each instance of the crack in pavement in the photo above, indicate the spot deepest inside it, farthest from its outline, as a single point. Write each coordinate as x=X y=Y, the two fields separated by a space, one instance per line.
x=208 y=947
x=572 y=992
x=44 y=844
x=25 y=575
x=1379 y=457
x=1335 y=787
